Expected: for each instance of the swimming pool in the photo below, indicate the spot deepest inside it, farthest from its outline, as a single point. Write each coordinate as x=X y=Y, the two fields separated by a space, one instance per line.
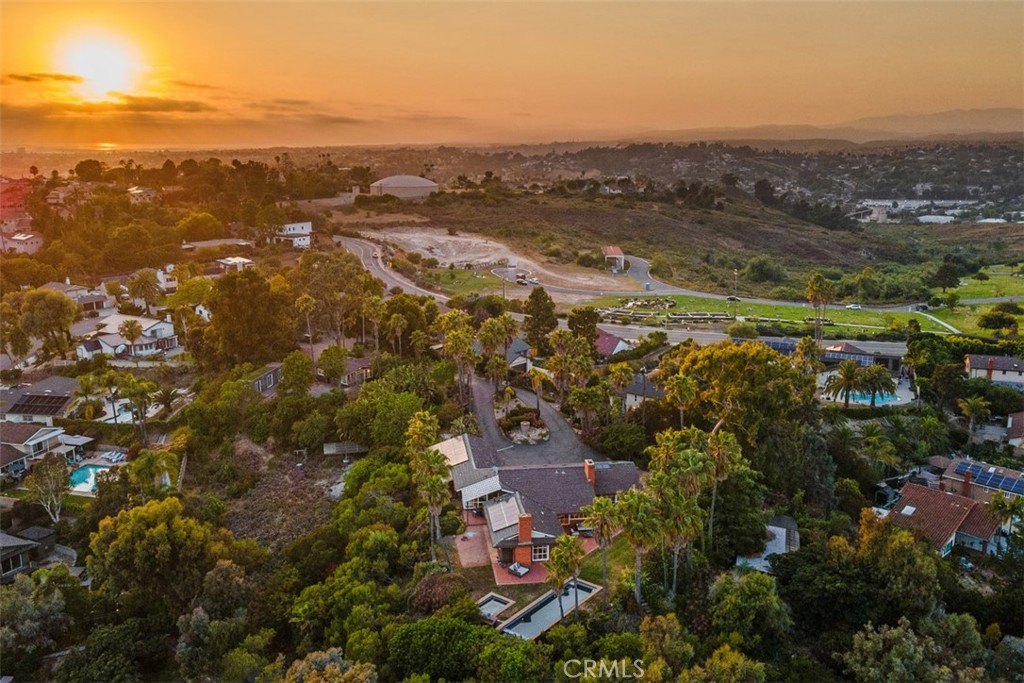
x=492 y=604
x=544 y=613
x=83 y=479
x=865 y=398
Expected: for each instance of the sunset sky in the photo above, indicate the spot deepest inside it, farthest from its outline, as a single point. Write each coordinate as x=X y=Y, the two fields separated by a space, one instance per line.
x=181 y=74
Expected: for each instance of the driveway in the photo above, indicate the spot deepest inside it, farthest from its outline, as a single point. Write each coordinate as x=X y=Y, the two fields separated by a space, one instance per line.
x=563 y=446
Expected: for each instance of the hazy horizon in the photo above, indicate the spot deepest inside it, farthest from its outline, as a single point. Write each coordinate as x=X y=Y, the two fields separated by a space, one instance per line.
x=235 y=75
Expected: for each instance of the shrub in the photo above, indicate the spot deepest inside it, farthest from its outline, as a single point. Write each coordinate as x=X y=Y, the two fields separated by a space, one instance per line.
x=437 y=590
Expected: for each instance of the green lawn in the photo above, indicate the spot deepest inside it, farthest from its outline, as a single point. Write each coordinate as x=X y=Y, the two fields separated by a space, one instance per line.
x=620 y=561
x=791 y=312
x=998 y=284
x=965 y=318
x=465 y=282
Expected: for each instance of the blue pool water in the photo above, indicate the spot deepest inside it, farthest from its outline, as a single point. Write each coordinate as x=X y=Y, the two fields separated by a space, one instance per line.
x=880 y=399
x=544 y=614
x=83 y=479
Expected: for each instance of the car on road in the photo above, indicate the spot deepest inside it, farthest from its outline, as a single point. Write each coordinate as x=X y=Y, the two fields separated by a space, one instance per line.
x=732 y=298
x=853 y=307
x=533 y=281
x=376 y=255
x=521 y=281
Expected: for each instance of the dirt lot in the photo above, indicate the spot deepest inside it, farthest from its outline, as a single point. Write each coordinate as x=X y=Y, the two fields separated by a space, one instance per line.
x=479 y=251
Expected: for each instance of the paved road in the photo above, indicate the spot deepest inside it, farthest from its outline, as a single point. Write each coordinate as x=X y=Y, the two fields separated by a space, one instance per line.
x=563 y=446
x=364 y=250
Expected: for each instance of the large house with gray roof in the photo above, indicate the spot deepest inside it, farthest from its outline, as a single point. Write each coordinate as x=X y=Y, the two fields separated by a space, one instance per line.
x=528 y=507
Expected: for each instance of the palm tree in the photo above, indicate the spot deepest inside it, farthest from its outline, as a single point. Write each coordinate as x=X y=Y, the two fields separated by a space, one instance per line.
x=510 y=394
x=153 y=472
x=915 y=357
x=934 y=434
x=681 y=516
x=111 y=381
x=435 y=493
x=975 y=409
x=805 y=356
x=138 y=392
x=491 y=336
x=877 y=447
x=568 y=553
x=602 y=517
x=680 y=391
x=620 y=375
x=846 y=381
x=819 y=294
x=144 y=285
x=165 y=397
x=131 y=330
x=641 y=526
x=87 y=388
x=375 y=311
x=877 y=381
x=306 y=305
x=558 y=574
x=397 y=325
x=726 y=456
x=1006 y=509
x=497 y=370
x=537 y=377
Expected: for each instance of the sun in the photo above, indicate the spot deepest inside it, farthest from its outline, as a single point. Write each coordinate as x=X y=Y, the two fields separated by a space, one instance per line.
x=106 y=64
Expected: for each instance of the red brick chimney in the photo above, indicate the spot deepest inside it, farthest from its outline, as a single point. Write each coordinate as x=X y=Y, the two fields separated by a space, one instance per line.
x=942 y=486
x=966 y=492
x=526 y=528
x=990 y=368
x=590 y=472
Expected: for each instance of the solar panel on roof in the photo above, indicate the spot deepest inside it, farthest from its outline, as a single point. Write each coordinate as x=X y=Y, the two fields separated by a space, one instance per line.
x=996 y=481
x=961 y=467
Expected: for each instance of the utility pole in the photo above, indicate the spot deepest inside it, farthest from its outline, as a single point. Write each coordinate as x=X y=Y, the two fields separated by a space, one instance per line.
x=735 y=289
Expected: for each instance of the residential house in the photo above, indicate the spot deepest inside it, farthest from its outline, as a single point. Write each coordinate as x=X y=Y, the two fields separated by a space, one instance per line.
x=22 y=443
x=165 y=278
x=979 y=480
x=158 y=336
x=1015 y=430
x=21 y=242
x=142 y=195
x=519 y=356
x=91 y=301
x=945 y=519
x=234 y=263
x=266 y=380
x=782 y=536
x=299 y=235
x=528 y=507
x=608 y=344
x=835 y=353
x=1007 y=371
x=15 y=556
x=642 y=388
x=39 y=402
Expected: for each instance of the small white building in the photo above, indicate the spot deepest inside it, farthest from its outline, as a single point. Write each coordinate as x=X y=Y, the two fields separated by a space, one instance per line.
x=404 y=187
x=299 y=235
x=21 y=242
x=235 y=263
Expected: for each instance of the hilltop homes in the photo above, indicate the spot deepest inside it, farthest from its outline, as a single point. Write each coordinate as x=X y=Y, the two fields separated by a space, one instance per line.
x=528 y=507
x=1007 y=371
x=158 y=336
x=91 y=301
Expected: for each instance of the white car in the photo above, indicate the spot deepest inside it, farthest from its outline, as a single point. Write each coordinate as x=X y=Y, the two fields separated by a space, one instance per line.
x=533 y=281
x=853 y=307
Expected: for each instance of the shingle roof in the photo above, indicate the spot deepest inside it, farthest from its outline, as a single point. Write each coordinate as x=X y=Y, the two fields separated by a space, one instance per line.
x=8 y=541
x=647 y=388
x=548 y=491
x=9 y=454
x=482 y=452
x=1007 y=363
x=615 y=477
x=12 y=432
x=936 y=515
x=606 y=342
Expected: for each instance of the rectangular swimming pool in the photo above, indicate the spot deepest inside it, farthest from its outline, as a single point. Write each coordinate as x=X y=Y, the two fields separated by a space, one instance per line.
x=544 y=612
x=83 y=479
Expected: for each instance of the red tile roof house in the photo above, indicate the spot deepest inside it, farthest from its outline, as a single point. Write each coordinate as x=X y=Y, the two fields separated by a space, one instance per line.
x=607 y=344
x=946 y=520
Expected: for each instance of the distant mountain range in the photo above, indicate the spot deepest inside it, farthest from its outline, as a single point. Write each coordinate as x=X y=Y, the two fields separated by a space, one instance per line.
x=986 y=124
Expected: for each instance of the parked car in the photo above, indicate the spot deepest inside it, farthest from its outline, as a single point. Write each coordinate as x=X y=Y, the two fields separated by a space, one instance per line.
x=732 y=298
x=516 y=569
x=533 y=281
x=521 y=281
x=853 y=307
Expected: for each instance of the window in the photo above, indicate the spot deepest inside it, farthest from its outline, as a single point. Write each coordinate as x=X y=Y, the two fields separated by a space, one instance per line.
x=12 y=563
x=540 y=553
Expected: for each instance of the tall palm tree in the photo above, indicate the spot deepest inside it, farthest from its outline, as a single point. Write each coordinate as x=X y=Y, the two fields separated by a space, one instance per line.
x=558 y=574
x=1006 y=509
x=435 y=493
x=111 y=382
x=681 y=517
x=165 y=397
x=819 y=294
x=131 y=330
x=87 y=388
x=805 y=356
x=397 y=325
x=602 y=517
x=569 y=554
x=491 y=336
x=915 y=357
x=375 y=311
x=537 y=378
x=975 y=409
x=641 y=526
x=306 y=306
x=620 y=375
x=877 y=381
x=497 y=370
x=680 y=391
x=847 y=380
x=138 y=392
x=726 y=456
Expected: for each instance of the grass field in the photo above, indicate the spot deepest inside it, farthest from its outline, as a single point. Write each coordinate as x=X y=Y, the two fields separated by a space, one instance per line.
x=965 y=318
x=794 y=313
x=1000 y=283
x=466 y=282
x=620 y=559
